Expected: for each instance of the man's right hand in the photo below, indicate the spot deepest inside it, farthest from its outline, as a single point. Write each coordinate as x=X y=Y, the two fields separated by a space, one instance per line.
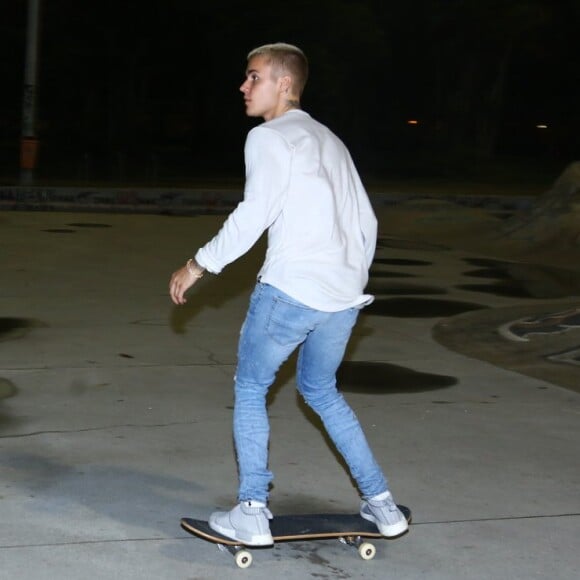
x=182 y=280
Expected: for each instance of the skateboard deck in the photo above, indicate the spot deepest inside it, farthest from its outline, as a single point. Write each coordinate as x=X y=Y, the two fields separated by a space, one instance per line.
x=348 y=528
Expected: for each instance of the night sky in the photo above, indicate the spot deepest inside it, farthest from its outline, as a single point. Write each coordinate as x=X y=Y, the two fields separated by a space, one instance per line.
x=139 y=89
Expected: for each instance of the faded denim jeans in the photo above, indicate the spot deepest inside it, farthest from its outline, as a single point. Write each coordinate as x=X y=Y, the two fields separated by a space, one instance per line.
x=275 y=326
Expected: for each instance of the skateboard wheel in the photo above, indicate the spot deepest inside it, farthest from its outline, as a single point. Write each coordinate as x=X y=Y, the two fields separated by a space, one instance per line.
x=367 y=551
x=244 y=559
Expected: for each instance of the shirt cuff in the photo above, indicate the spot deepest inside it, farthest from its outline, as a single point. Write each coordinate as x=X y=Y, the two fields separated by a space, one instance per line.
x=203 y=260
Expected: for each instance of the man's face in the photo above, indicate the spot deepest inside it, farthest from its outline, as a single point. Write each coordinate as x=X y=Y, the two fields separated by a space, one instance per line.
x=263 y=95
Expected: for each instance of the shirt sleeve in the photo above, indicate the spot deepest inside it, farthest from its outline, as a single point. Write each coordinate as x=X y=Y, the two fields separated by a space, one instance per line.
x=268 y=159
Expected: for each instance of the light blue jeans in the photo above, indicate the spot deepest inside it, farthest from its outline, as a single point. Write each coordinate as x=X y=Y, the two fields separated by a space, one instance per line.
x=275 y=326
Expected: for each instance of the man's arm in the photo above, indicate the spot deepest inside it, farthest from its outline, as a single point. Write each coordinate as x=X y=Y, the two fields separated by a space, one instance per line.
x=268 y=162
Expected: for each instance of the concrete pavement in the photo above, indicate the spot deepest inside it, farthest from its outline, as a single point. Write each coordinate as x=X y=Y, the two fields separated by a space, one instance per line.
x=115 y=414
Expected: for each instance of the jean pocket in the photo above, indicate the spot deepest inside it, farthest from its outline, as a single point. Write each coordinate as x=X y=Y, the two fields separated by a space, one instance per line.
x=289 y=324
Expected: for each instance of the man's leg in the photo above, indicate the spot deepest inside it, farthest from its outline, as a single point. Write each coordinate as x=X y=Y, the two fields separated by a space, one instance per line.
x=275 y=325
x=273 y=329
x=319 y=359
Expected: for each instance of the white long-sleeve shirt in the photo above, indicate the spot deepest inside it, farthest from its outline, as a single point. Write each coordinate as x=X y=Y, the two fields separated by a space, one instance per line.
x=302 y=186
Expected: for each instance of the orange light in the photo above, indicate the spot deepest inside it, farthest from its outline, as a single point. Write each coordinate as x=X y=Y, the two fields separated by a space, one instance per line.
x=412 y=122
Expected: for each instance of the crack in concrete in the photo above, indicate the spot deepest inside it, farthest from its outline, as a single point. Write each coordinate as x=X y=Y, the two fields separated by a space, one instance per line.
x=89 y=429
x=90 y=542
x=126 y=366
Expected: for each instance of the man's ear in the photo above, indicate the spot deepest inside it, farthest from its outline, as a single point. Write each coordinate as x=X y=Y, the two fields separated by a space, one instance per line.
x=285 y=83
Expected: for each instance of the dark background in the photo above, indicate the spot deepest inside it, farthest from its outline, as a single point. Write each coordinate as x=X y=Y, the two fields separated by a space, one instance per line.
x=147 y=91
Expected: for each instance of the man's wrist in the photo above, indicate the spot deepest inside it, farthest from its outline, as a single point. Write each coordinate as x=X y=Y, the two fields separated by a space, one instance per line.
x=194 y=268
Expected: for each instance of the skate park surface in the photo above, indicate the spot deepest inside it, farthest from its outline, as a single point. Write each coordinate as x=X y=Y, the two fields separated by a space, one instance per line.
x=116 y=406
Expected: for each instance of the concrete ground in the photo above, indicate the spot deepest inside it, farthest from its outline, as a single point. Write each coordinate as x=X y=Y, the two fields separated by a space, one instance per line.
x=115 y=412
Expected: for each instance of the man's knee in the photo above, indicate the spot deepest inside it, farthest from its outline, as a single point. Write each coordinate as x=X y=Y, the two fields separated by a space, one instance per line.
x=319 y=396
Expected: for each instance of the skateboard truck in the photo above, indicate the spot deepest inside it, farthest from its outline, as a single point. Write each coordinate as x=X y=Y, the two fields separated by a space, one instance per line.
x=366 y=550
x=242 y=556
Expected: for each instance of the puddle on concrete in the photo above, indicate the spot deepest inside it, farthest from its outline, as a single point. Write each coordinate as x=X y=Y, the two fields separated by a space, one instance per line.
x=7 y=389
x=401 y=262
x=10 y=324
x=11 y=328
x=89 y=225
x=521 y=280
x=491 y=273
x=419 y=307
x=375 y=378
x=373 y=273
x=399 y=244
x=484 y=262
x=59 y=231
x=403 y=289
x=510 y=289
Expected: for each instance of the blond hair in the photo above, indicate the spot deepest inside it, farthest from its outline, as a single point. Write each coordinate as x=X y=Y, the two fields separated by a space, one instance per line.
x=285 y=59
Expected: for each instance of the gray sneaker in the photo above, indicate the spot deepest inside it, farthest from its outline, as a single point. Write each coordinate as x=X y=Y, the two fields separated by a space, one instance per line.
x=383 y=511
x=246 y=523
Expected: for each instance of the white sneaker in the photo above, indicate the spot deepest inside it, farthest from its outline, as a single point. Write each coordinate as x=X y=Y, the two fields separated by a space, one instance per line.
x=246 y=523
x=383 y=511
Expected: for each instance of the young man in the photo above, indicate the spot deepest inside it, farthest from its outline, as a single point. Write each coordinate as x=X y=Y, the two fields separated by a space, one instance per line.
x=301 y=186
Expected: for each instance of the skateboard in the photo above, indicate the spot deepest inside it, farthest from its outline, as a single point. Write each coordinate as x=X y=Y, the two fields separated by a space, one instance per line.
x=349 y=529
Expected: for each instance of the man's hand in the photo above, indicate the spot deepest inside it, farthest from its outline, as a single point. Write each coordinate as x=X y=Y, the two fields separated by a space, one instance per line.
x=182 y=280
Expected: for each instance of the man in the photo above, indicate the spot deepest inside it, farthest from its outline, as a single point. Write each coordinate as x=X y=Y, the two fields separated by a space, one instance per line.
x=301 y=186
